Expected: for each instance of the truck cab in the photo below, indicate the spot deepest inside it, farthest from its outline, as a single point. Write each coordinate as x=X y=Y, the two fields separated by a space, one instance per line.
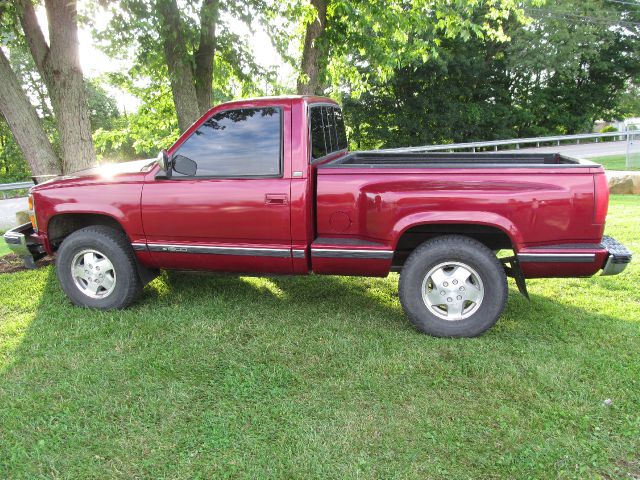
x=247 y=205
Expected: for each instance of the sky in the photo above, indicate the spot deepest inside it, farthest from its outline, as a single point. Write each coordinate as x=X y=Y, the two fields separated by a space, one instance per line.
x=95 y=63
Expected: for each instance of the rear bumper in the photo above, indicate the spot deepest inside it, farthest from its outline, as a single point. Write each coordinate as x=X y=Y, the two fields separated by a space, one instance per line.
x=618 y=259
x=575 y=260
x=23 y=242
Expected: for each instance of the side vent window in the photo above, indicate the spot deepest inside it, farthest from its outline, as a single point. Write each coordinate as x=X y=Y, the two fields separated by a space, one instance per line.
x=327 y=131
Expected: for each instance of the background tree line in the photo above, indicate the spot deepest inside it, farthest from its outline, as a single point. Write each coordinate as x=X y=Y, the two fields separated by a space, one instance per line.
x=408 y=72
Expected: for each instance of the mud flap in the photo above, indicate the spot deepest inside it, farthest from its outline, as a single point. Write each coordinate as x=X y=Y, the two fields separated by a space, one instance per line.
x=513 y=270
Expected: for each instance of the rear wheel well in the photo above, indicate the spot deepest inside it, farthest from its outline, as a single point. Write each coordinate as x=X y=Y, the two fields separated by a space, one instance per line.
x=63 y=225
x=492 y=237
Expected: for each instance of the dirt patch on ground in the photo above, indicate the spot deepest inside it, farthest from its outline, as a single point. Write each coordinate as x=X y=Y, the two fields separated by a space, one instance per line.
x=631 y=468
x=12 y=263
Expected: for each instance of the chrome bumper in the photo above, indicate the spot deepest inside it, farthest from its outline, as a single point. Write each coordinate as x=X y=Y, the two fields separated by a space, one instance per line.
x=22 y=242
x=618 y=259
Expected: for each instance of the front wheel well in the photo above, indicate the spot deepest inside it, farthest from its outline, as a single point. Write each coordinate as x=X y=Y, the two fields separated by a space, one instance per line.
x=64 y=224
x=492 y=237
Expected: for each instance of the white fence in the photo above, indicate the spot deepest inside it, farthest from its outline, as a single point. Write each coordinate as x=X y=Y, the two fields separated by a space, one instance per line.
x=633 y=147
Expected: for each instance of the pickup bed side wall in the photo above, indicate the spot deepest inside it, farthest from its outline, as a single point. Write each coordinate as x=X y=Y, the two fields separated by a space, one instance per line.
x=532 y=208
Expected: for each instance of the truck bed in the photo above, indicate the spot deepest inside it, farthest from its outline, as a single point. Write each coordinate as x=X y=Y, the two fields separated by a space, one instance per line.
x=514 y=201
x=382 y=159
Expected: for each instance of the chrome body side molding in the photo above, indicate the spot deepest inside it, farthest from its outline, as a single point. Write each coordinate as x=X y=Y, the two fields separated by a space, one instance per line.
x=139 y=247
x=351 y=253
x=211 y=250
x=556 y=257
x=215 y=250
x=264 y=251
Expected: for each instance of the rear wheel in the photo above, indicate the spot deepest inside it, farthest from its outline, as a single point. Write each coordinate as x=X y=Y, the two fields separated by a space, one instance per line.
x=96 y=268
x=453 y=286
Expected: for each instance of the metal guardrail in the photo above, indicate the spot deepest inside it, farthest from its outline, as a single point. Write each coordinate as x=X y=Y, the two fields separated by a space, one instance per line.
x=6 y=187
x=512 y=141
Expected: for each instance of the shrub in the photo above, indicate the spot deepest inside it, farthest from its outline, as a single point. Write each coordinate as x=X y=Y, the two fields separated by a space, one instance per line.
x=607 y=129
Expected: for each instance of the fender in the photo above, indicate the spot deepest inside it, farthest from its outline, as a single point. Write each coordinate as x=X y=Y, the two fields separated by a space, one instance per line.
x=95 y=199
x=462 y=217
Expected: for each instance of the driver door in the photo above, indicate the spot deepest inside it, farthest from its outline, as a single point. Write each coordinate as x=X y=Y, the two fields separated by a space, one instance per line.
x=233 y=214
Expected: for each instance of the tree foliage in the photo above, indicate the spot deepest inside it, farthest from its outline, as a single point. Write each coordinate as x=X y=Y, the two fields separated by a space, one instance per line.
x=13 y=166
x=191 y=44
x=553 y=76
x=143 y=133
x=365 y=41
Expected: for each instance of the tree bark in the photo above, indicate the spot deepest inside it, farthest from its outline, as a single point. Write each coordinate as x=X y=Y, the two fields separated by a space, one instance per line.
x=309 y=80
x=24 y=123
x=178 y=63
x=204 y=56
x=59 y=66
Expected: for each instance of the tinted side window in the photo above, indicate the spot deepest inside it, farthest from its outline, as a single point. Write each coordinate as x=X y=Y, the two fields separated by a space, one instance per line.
x=318 y=147
x=327 y=131
x=334 y=128
x=329 y=128
x=235 y=143
x=342 y=134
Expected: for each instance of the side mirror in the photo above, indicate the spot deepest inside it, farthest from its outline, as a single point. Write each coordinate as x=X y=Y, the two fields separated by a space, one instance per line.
x=185 y=165
x=163 y=160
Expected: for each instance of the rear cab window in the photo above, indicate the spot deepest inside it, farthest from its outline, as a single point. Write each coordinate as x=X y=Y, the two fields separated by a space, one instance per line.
x=327 y=131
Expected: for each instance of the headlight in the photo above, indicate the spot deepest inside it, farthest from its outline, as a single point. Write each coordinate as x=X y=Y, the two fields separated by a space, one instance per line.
x=32 y=213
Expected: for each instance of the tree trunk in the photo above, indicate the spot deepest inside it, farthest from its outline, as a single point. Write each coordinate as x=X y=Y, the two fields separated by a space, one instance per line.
x=59 y=66
x=180 y=72
x=204 y=56
x=24 y=123
x=309 y=80
x=68 y=95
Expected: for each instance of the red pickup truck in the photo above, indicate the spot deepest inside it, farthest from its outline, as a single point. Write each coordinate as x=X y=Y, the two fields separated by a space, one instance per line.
x=267 y=186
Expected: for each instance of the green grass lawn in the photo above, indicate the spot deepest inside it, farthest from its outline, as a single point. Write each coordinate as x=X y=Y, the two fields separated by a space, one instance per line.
x=614 y=162
x=215 y=376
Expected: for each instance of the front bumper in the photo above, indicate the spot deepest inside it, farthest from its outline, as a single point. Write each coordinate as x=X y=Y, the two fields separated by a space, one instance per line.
x=22 y=241
x=618 y=259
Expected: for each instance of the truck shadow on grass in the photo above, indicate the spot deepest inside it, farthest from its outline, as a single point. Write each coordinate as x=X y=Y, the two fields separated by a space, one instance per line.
x=307 y=370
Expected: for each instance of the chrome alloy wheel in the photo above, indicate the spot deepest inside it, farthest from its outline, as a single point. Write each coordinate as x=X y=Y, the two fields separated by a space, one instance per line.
x=452 y=291
x=93 y=273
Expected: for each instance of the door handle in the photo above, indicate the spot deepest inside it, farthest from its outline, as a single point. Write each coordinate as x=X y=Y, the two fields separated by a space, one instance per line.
x=275 y=199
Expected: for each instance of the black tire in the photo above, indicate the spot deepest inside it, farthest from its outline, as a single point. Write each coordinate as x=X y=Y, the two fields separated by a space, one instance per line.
x=113 y=245
x=461 y=250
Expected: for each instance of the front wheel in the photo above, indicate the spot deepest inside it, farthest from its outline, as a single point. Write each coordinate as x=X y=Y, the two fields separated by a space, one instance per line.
x=453 y=286
x=96 y=268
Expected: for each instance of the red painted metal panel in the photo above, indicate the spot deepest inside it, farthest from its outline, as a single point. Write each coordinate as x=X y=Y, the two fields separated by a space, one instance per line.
x=532 y=209
x=532 y=206
x=222 y=211
x=221 y=263
x=563 y=269
x=370 y=267
x=115 y=196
